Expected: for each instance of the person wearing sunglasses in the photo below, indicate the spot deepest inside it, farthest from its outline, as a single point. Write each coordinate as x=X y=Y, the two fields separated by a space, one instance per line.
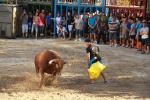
x=144 y=36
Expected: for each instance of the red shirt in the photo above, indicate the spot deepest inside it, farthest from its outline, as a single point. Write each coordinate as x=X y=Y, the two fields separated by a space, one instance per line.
x=42 y=17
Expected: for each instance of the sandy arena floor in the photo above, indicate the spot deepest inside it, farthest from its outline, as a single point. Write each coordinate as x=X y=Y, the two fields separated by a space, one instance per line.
x=127 y=72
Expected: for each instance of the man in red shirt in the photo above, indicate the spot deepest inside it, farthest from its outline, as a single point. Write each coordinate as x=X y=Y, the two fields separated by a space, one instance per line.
x=42 y=17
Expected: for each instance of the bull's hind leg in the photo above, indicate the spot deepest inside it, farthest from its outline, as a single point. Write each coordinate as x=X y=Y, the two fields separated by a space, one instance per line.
x=37 y=70
x=42 y=78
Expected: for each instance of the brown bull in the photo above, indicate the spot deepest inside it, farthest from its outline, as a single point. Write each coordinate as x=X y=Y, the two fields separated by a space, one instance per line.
x=48 y=62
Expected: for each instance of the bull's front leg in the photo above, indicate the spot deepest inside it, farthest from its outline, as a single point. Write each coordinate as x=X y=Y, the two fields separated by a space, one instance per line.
x=42 y=78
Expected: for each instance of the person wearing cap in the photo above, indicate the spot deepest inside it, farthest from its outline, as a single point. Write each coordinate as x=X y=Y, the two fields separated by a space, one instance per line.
x=24 y=18
x=144 y=36
x=90 y=56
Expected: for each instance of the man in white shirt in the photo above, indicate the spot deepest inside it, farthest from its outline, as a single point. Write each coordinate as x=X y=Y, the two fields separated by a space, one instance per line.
x=144 y=36
x=78 y=26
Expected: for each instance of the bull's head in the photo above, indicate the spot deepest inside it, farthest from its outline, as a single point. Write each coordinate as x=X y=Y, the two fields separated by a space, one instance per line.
x=58 y=63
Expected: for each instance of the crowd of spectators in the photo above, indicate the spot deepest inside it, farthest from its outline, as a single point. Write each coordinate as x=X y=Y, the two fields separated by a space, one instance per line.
x=126 y=32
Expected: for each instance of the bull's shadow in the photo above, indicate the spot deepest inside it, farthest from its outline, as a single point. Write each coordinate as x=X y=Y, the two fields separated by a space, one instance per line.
x=7 y=82
x=114 y=87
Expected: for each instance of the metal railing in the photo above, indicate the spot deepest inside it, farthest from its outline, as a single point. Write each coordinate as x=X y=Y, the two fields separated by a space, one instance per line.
x=90 y=2
x=124 y=2
x=38 y=0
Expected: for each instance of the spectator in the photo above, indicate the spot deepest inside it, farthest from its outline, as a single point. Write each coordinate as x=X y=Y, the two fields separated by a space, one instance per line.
x=70 y=20
x=123 y=31
x=86 y=27
x=24 y=18
x=139 y=26
x=61 y=32
x=144 y=32
x=132 y=33
x=36 y=19
x=64 y=21
x=110 y=18
x=113 y=32
x=42 y=17
x=128 y=31
x=78 y=27
x=30 y=21
x=101 y=26
x=58 y=19
x=92 y=24
x=48 y=24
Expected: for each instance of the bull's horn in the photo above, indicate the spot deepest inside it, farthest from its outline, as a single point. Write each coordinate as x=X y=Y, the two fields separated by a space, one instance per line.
x=53 y=61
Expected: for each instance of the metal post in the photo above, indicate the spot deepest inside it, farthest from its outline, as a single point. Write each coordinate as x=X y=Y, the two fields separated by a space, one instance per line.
x=84 y=19
x=103 y=5
x=79 y=10
x=61 y=14
x=72 y=10
x=96 y=11
x=66 y=16
x=90 y=9
x=55 y=10
x=39 y=8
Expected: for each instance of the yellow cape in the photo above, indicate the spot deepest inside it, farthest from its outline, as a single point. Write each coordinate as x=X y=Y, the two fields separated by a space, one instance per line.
x=95 y=70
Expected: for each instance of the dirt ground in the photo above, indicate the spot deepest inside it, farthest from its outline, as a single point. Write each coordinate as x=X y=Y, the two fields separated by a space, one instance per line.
x=127 y=72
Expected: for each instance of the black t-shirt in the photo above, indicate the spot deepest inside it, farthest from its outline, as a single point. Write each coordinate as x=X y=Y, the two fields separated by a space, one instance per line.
x=70 y=20
x=101 y=25
x=89 y=50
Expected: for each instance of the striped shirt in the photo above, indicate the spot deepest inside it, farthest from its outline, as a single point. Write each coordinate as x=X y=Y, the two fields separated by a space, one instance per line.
x=113 y=30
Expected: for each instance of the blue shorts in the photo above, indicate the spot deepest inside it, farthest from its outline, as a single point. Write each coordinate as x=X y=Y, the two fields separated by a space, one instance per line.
x=78 y=31
x=92 y=31
x=113 y=35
